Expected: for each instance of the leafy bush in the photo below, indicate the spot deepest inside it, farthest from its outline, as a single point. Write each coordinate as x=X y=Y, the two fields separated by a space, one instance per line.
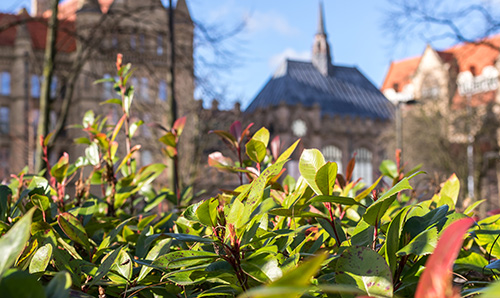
x=323 y=235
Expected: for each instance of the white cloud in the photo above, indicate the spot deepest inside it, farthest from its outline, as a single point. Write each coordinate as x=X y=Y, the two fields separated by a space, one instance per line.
x=290 y=53
x=260 y=21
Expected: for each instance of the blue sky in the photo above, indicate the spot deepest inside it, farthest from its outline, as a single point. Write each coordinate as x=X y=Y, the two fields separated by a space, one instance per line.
x=283 y=28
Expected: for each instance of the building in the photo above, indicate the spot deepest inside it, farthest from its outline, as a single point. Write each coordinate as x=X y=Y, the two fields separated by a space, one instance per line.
x=456 y=90
x=330 y=107
x=90 y=34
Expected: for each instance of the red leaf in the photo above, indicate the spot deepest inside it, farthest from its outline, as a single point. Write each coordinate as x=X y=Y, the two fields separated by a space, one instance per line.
x=275 y=147
x=179 y=125
x=235 y=130
x=350 y=167
x=437 y=276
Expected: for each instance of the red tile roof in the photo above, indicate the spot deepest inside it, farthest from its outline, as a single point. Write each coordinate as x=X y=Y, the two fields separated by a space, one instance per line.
x=37 y=28
x=67 y=9
x=400 y=73
x=475 y=56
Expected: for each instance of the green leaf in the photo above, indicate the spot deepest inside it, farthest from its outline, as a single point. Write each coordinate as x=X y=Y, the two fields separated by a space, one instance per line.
x=389 y=168
x=288 y=152
x=160 y=248
x=105 y=266
x=256 y=150
x=88 y=119
x=12 y=243
x=365 y=269
x=367 y=191
x=169 y=139
x=470 y=208
x=310 y=162
x=335 y=199
x=113 y=101
x=393 y=238
x=325 y=224
x=219 y=291
x=325 y=178
x=127 y=99
x=377 y=210
x=237 y=215
x=188 y=237
x=20 y=284
x=263 y=267
x=133 y=127
x=262 y=135
x=183 y=258
x=451 y=189
x=59 y=286
x=294 y=213
x=123 y=265
x=258 y=185
x=493 y=291
x=40 y=201
x=207 y=212
x=301 y=275
x=41 y=259
x=72 y=227
x=417 y=224
x=5 y=193
x=423 y=244
x=60 y=169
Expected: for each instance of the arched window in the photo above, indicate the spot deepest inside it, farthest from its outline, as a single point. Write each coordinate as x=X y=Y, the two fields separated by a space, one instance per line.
x=5 y=83
x=4 y=120
x=53 y=88
x=363 y=168
x=159 y=44
x=162 y=90
x=144 y=88
x=333 y=153
x=107 y=87
x=35 y=86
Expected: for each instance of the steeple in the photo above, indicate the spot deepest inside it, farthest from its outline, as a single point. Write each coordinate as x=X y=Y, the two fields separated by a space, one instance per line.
x=321 y=58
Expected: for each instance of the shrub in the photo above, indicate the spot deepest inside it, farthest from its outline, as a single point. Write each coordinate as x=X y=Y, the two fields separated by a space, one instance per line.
x=323 y=235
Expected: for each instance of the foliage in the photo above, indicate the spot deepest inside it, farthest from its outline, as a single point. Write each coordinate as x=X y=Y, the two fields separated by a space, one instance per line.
x=322 y=235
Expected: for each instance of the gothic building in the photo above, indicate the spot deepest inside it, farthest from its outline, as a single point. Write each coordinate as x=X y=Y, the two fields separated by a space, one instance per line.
x=330 y=107
x=456 y=90
x=92 y=32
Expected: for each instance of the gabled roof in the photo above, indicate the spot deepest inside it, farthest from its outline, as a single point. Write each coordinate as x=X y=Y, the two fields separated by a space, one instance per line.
x=467 y=56
x=346 y=92
x=37 y=28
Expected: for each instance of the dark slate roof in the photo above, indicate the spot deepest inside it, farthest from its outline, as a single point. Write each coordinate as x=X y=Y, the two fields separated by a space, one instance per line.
x=347 y=92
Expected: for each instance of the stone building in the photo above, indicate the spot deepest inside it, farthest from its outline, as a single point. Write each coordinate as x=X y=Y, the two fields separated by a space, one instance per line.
x=456 y=112
x=93 y=32
x=330 y=107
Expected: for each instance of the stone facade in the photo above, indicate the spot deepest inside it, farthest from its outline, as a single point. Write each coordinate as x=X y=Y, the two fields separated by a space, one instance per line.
x=94 y=32
x=456 y=90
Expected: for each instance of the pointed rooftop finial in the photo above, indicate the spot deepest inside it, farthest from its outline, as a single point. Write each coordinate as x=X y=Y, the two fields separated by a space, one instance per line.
x=321 y=22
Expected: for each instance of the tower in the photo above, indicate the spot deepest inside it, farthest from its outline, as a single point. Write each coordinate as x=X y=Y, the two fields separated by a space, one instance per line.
x=321 y=58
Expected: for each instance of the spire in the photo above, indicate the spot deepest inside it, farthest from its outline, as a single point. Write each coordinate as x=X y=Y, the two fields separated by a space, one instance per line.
x=183 y=11
x=321 y=22
x=321 y=57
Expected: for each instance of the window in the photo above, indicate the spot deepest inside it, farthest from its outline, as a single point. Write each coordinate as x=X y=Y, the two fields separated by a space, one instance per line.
x=53 y=88
x=332 y=153
x=114 y=42
x=159 y=45
x=133 y=42
x=162 y=90
x=363 y=168
x=35 y=86
x=4 y=120
x=142 y=42
x=144 y=88
x=4 y=163
x=107 y=88
x=5 y=81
